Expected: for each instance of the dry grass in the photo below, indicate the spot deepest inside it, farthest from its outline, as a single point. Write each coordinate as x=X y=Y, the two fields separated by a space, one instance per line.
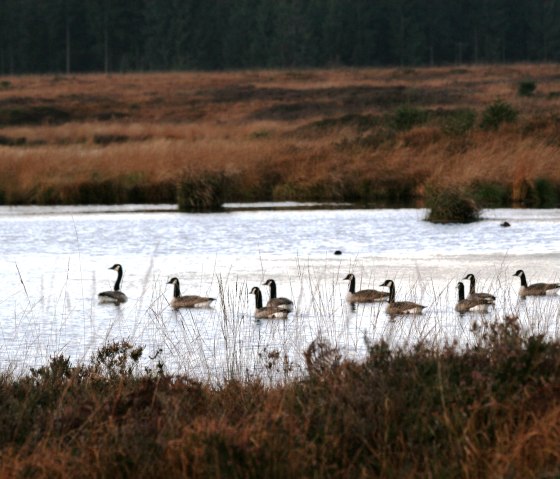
x=490 y=410
x=266 y=129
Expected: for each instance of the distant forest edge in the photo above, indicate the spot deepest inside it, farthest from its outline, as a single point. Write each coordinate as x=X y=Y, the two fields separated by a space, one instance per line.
x=40 y=36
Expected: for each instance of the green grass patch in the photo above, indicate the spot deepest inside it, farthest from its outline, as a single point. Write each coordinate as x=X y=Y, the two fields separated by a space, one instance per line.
x=490 y=194
x=405 y=117
x=496 y=114
x=526 y=88
x=32 y=115
x=545 y=194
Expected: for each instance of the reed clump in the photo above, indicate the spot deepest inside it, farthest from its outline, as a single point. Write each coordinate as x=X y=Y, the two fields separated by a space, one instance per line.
x=451 y=206
x=201 y=191
x=490 y=409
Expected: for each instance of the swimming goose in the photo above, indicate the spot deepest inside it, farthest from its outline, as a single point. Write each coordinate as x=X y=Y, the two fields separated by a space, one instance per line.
x=274 y=302
x=266 y=312
x=116 y=296
x=535 y=289
x=364 y=295
x=400 y=307
x=471 y=304
x=473 y=294
x=191 y=301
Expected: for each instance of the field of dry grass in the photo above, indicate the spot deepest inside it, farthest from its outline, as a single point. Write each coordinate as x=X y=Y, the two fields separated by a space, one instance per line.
x=340 y=134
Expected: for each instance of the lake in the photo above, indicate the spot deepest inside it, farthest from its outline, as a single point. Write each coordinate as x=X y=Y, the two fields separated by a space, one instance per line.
x=55 y=260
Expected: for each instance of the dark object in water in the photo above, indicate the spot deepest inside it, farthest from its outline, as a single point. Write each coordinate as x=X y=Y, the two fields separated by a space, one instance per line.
x=505 y=224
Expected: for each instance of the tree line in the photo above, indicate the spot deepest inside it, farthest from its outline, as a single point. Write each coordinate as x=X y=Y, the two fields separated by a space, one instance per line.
x=38 y=36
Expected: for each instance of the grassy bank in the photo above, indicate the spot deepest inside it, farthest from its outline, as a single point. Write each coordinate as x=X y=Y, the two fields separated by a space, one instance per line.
x=491 y=410
x=343 y=134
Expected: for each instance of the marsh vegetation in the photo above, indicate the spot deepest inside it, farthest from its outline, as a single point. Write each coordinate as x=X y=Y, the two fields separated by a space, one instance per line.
x=490 y=410
x=358 y=135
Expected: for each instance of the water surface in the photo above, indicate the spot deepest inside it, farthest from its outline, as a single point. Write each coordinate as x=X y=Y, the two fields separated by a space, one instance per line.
x=54 y=261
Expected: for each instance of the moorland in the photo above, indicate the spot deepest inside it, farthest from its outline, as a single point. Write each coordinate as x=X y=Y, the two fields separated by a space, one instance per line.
x=361 y=135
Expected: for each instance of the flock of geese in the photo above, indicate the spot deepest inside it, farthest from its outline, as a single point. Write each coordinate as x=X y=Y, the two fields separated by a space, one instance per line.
x=473 y=302
x=280 y=307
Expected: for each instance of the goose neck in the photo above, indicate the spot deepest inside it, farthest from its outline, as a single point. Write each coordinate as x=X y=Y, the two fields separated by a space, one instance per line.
x=272 y=289
x=461 y=291
x=352 y=284
x=117 y=286
x=391 y=292
x=472 y=285
x=258 y=298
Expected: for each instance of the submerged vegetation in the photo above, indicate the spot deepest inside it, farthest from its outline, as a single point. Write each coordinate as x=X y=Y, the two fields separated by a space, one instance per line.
x=491 y=409
x=359 y=135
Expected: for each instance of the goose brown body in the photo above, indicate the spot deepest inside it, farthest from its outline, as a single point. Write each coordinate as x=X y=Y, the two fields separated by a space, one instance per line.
x=188 y=301
x=266 y=312
x=364 y=295
x=471 y=304
x=396 y=308
x=490 y=298
x=535 y=289
x=277 y=302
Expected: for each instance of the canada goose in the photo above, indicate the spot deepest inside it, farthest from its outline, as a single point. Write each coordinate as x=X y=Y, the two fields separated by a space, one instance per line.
x=267 y=311
x=400 y=307
x=473 y=294
x=116 y=296
x=536 y=289
x=471 y=304
x=365 y=295
x=274 y=302
x=191 y=301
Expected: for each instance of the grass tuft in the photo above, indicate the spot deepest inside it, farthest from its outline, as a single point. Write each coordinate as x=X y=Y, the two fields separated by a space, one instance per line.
x=496 y=114
x=201 y=192
x=451 y=206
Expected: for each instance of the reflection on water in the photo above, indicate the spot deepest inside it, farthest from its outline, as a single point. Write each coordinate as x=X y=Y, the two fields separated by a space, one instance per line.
x=55 y=260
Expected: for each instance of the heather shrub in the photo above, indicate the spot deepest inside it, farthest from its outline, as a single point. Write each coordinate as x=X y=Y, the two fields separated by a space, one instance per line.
x=496 y=114
x=526 y=88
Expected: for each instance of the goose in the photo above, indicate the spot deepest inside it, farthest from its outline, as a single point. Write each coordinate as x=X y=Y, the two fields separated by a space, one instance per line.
x=473 y=294
x=274 y=302
x=535 y=289
x=266 y=312
x=471 y=304
x=191 y=301
x=400 y=307
x=365 y=295
x=116 y=296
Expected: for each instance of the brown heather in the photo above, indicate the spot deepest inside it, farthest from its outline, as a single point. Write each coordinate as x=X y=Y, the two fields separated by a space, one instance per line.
x=302 y=134
x=490 y=410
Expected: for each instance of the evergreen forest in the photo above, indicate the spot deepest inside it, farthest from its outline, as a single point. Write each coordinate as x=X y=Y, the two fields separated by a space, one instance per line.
x=50 y=36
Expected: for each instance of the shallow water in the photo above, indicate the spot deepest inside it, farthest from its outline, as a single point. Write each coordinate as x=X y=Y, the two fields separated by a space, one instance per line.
x=54 y=261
